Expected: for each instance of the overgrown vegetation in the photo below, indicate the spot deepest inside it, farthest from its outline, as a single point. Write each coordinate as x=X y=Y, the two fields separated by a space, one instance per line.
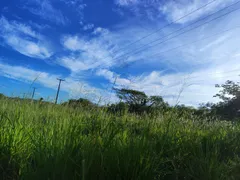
x=79 y=140
x=229 y=107
x=138 y=102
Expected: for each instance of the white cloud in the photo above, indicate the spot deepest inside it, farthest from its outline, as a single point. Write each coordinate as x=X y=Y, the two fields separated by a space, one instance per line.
x=209 y=58
x=15 y=27
x=76 y=64
x=39 y=26
x=173 y=10
x=45 y=10
x=106 y=73
x=200 y=65
x=126 y=2
x=76 y=5
x=100 y=31
x=183 y=88
x=177 y=9
x=114 y=78
x=72 y=43
x=74 y=88
x=140 y=8
x=216 y=42
x=88 y=54
x=196 y=67
x=88 y=27
x=23 y=39
x=26 y=47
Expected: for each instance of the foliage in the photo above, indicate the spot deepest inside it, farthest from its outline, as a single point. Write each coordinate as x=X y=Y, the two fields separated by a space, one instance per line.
x=156 y=101
x=230 y=90
x=120 y=108
x=132 y=97
x=57 y=142
x=139 y=102
x=79 y=103
x=229 y=107
x=1 y=96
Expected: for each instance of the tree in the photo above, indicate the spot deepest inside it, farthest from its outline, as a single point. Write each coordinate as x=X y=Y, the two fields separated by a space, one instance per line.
x=1 y=96
x=132 y=97
x=230 y=90
x=157 y=101
x=120 y=108
x=139 y=102
x=81 y=102
x=136 y=100
x=229 y=107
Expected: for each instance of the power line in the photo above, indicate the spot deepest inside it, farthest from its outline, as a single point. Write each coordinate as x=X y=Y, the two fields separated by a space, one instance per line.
x=140 y=49
x=188 y=84
x=193 y=42
x=224 y=72
x=194 y=77
x=154 y=32
x=235 y=70
x=176 y=83
x=169 y=24
x=136 y=51
x=59 y=85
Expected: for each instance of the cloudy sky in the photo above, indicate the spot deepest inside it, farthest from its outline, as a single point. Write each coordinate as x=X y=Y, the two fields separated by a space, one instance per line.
x=178 y=49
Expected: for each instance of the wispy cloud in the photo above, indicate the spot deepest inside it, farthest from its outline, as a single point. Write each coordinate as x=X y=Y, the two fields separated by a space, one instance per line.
x=74 y=88
x=171 y=68
x=163 y=67
x=85 y=53
x=15 y=27
x=171 y=9
x=23 y=39
x=127 y=2
x=45 y=10
x=195 y=67
x=88 y=27
x=72 y=43
x=184 y=88
x=114 y=78
x=77 y=5
x=141 y=8
x=100 y=31
x=174 y=10
x=77 y=64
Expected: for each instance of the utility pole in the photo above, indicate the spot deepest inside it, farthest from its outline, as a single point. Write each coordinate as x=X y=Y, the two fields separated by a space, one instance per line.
x=59 y=85
x=33 y=93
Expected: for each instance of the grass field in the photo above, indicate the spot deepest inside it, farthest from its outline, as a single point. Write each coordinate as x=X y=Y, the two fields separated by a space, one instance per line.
x=54 y=142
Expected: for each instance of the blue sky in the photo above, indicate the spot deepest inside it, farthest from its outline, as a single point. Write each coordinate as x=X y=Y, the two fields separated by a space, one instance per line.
x=93 y=44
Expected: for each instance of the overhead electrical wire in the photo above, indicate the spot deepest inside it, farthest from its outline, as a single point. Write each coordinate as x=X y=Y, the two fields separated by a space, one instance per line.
x=186 y=32
x=198 y=81
x=143 y=47
x=193 y=42
x=154 y=32
x=169 y=24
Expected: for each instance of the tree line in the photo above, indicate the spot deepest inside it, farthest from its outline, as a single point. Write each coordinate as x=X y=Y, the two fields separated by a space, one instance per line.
x=133 y=101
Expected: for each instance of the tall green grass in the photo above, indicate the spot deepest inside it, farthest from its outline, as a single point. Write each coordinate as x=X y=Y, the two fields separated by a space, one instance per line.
x=54 y=142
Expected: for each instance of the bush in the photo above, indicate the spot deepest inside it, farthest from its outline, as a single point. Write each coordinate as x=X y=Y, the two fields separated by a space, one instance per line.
x=79 y=103
x=120 y=108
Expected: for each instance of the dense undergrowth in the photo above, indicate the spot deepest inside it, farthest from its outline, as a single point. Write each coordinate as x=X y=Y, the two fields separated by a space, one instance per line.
x=44 y=141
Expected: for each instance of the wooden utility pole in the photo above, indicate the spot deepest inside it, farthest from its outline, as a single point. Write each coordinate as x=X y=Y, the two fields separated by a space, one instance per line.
x=33 y=93
x=59 y=85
